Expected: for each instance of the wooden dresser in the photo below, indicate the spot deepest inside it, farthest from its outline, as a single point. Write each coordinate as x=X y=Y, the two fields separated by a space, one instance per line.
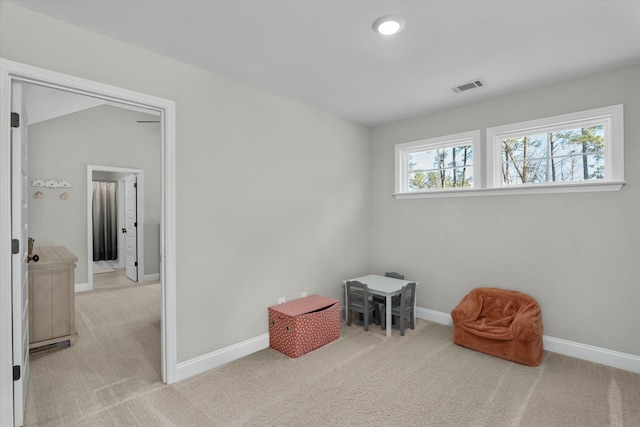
x=52 y=311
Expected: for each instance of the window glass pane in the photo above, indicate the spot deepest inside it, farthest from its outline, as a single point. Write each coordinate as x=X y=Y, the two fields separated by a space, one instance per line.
x=421 y=161
x=575 y=154
x=436 y=163
x=524 y=172
x=423 y=181
x=566 y=142
x=579 y=168
x=461 y=156
x=463 y=178
x=525 y=147
x=445 y=155
x=445 y=178
x=437 y=159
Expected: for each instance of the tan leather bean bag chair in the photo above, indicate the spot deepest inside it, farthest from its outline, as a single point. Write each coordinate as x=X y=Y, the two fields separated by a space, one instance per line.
x=499 y=322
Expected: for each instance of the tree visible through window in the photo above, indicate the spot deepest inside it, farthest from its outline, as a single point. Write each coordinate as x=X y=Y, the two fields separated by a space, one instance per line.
x=448 y=167
x=442 y=163
x=575 y=154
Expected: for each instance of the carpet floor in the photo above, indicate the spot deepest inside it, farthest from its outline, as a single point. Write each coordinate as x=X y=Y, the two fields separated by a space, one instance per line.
x=111 y=377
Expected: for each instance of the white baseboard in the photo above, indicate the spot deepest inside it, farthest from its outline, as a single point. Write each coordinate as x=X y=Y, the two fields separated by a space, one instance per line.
x=151 y=277
x=198 y=365
x=615 y=359
x=217 y=358
x=82 y=287
x=604 y=356
x=434 y=316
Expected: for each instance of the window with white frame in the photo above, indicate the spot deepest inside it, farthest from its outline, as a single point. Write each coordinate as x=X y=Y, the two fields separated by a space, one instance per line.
x=575 y=152
x=444 y=163
x=579 y=148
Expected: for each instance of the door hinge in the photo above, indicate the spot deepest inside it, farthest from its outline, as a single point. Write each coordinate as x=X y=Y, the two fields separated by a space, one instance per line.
x=135 y=224
x=135 y=264
x=15 y=120
x=15 y=246
x=135 y=185
x=16 y=372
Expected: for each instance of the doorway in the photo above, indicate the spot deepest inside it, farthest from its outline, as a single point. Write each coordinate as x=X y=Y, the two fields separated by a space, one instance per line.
x=11 y=72
x=130 y=232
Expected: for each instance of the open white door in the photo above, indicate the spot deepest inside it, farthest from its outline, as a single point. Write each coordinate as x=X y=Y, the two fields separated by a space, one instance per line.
x=131 y=226
x=20 y=258
x=11 y=71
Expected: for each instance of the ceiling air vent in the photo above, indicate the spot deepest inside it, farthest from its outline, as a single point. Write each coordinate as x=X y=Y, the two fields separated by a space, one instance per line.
x=467 y=86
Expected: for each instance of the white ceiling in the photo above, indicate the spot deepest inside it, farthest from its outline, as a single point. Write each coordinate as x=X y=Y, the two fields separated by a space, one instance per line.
x=43 y=103
x=325 y=53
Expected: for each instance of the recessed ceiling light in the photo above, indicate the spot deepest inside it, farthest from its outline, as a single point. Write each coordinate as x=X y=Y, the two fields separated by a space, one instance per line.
x=388 y=25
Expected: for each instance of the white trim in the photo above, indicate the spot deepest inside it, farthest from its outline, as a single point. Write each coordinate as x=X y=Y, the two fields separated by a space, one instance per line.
x=122 y=245
x=613 y=116
x=151 y=277
x=404 y=149
x=168 y=245
x=13 y=71
x=516 y=190
x=487 y=179
x=6 y=258
x=603 y=356
x=82 y=287
x=217 y=358
x=220 y=357
x=434 y=316
x=140 y=214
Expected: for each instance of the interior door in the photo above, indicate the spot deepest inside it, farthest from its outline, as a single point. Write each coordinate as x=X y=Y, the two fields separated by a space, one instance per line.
x=131 y=226
x=19 y=267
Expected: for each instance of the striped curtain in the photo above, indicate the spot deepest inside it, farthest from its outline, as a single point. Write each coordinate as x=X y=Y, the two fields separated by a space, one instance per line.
x=105 y=221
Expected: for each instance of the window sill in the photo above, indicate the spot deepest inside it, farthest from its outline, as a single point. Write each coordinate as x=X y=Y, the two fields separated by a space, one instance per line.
x=514 y=190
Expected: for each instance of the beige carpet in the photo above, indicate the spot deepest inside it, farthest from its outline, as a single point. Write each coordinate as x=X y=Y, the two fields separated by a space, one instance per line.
x=363 y=379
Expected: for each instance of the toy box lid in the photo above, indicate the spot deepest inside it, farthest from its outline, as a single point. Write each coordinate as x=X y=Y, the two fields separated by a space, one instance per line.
x=304 y=305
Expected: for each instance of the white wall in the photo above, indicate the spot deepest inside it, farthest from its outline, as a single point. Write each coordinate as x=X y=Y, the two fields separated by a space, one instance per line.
x=272 y=196
x=577 y=254
x=275 y=198
x=61 y=149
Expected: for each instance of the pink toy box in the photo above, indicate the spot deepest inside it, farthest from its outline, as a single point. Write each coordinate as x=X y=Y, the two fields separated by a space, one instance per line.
x=304 y=324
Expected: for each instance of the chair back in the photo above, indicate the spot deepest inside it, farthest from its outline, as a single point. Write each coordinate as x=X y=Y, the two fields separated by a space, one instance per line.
x=357 y=294
x=407 y=297
x=394 y=275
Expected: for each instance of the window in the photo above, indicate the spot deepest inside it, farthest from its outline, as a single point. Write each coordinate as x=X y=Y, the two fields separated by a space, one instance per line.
x=445 y=163
x=574 y=152
x=580 y=148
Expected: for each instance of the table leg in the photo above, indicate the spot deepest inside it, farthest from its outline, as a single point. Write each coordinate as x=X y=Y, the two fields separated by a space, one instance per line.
x=388 y=315
x=346 y=306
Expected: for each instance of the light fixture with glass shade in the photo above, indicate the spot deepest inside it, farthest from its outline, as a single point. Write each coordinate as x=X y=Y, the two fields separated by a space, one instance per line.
x=388 y=25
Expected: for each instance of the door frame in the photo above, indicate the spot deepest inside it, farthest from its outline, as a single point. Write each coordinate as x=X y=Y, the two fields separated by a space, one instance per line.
x=11 y=71
x=140 y=214
x=20 y=274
